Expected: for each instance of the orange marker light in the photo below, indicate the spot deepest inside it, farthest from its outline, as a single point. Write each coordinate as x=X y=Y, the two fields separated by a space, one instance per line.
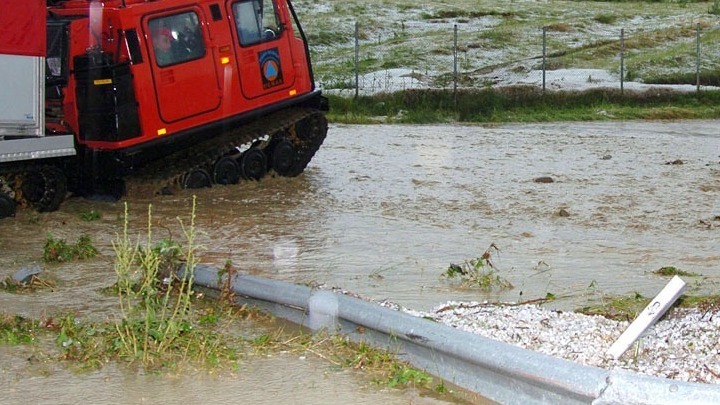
x=224 y=60
x=292 y=92
x=162 y=131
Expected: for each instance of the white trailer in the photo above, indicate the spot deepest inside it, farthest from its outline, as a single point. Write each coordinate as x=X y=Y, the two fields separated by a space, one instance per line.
x=22 y=112
x=23 y=134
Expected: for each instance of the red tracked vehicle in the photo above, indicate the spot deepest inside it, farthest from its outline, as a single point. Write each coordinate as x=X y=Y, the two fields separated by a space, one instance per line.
x=126 y=96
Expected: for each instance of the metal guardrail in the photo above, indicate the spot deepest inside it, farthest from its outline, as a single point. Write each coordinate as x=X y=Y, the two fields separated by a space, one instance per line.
x=499 y=371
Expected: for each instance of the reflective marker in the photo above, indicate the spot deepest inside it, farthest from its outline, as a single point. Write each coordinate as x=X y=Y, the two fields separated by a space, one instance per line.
x=657 y=307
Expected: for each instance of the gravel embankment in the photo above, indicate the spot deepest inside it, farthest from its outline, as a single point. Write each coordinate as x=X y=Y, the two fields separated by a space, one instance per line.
x=684 y=345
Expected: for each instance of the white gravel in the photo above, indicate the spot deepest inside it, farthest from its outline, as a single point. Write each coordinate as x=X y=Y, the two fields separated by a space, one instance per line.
x=681 y=346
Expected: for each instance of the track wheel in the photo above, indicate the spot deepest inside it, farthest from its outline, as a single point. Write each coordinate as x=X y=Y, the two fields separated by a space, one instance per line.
x=197 y=178
x=282 y=157
x=45 y=188
x=7 y=206
x=253 y=164
x=226 y=171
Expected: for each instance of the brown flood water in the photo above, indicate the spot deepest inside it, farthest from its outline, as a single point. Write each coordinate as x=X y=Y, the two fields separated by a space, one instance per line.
x=383 y=210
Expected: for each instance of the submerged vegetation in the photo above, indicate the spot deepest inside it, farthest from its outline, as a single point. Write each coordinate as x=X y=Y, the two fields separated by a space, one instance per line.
x=162 y=323
x=157 y=319
x=15 y=329
x=479 y=272
x=58 y=250
x=673 y=271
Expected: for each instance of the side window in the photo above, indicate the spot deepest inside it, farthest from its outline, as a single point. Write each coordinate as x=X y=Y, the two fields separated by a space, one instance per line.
x=176 y=39
x=256 y=21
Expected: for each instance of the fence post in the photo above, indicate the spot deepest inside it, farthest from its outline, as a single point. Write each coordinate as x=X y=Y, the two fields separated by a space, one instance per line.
x=697 y=59
x=357 y=59
x=455 y=64
x=544 y=55
x=622 y=61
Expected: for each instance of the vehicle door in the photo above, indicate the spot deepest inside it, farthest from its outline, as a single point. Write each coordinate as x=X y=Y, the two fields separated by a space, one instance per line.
x=263 y=47
x=183 y=66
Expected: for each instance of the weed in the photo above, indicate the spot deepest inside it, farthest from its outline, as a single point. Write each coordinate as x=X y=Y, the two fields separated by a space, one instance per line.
x=706 y=303
x=58 y=251
x=383 y=364
x=15 y=329
x=84 y=249
x=621 y=308
x=156 y=320
x=82 y=343
x=32 y=217
x=89 y=216
x=605 y=18
x=673 y=271
x=402 y=375
x=479 y=272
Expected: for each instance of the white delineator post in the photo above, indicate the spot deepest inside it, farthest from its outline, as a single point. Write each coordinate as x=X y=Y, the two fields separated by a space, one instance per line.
x=657 y=307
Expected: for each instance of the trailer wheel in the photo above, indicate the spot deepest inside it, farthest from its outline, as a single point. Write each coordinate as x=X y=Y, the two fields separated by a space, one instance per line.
x=253 y=164
x=7 y=206
x=44 y=188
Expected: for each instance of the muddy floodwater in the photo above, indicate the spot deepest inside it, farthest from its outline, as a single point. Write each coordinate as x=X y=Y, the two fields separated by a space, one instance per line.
x=383 y=210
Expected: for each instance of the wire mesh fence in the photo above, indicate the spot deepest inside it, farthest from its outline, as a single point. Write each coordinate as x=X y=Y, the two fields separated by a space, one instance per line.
x=553 y=58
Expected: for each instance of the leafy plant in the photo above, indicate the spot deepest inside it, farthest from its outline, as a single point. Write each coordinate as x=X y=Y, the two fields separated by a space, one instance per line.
x=673 y=271
x=58 y=251
x=479 y=272
x=401 y=376
x=15 y=329
x=84 y=249
x=92 y=215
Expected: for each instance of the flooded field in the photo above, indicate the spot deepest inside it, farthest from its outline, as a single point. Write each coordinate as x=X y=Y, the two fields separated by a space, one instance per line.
x=383 y=210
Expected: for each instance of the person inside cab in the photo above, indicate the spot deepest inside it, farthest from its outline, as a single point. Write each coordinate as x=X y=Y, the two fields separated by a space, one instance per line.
x=162 y=43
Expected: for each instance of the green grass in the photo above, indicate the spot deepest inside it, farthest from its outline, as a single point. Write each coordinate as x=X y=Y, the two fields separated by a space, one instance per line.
x=621 y=308
x=659 y=48
x=15 y=329
x=522 y=104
